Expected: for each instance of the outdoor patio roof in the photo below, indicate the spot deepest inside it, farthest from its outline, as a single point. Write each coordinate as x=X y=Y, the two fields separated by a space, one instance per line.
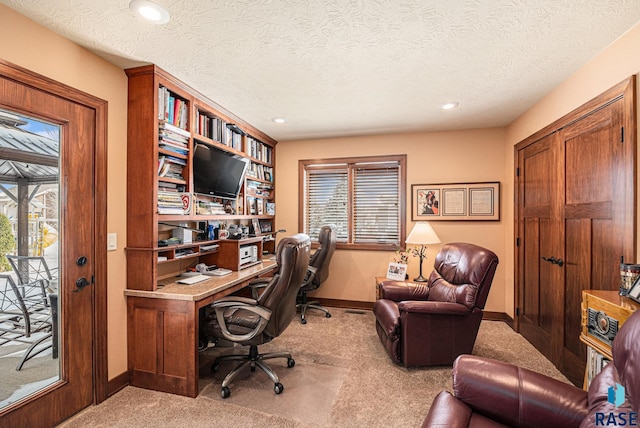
x=25 y=155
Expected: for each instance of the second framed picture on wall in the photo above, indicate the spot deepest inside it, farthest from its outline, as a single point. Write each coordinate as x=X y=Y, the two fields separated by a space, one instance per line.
x=455 y=201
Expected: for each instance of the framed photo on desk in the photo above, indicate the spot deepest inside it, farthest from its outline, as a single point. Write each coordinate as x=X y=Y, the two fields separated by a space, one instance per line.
x=634 y=291
x=397 y=271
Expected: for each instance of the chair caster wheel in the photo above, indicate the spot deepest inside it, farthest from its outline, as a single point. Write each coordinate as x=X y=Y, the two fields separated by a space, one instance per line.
x=303 y=321
x=225 y=392
x=215 y=367
x=278 y=388
x=328 y=315
x=291 y=362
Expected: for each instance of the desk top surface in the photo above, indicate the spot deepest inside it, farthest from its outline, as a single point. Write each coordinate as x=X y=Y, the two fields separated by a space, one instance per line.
x=170 y=289
x=613 y=297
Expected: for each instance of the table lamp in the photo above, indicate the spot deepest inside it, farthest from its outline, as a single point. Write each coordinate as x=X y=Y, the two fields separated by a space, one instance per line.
x=422 y=234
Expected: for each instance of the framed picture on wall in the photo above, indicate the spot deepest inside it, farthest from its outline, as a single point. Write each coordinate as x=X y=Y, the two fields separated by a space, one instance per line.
x=455 y=201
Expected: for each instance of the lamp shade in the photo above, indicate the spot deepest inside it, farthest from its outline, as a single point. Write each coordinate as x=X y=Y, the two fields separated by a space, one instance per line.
x=422 y=234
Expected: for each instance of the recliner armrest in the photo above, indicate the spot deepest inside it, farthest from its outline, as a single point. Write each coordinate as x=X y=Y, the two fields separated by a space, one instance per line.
x=399 y=291
x=435 y=308
x=515 y=396
x=446 y=411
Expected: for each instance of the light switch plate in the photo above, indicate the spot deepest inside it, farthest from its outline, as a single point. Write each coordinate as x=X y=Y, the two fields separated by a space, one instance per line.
x=112 y=241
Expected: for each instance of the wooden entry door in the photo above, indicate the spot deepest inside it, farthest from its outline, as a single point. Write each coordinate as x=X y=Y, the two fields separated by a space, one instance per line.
x=575 y=221
x=81 y=316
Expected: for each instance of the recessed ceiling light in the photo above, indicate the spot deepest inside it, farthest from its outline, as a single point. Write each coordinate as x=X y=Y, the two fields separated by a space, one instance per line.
x=449 y=105
x=150 y=11
x=279 y=120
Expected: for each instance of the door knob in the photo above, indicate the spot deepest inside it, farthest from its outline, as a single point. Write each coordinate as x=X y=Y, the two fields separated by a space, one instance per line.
x=80 y=284
x=553 y=260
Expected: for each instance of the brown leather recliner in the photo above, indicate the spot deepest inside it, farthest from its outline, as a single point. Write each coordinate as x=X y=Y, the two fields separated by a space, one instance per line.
x=432 y=323
x=490 y=393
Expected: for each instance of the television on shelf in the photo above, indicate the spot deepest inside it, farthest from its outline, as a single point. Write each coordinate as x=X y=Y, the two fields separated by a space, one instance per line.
x=217 y=172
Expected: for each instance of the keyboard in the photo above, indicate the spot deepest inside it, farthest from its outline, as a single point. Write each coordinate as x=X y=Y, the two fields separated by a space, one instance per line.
x=218 y=272
x=209 y=247
x=192 y=279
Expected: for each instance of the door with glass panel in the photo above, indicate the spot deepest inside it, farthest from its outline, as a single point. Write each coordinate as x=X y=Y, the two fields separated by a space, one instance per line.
x=47 y=253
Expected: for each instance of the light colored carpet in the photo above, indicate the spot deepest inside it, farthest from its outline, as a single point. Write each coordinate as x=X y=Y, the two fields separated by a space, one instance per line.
x=255 y=390
x=342 y=378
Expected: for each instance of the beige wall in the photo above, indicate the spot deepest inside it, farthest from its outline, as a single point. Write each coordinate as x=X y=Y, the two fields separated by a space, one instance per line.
x=474 y=155
x=37 y=49
x=616 y=63
x=444 y=157
x=351 y=277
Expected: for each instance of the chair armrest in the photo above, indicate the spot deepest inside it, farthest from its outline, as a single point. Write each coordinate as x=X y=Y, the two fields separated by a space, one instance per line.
x=435 y=308
x=516 y=396
x=308 y=277
x=261 y=281
x=257 y=284
x=221 y=302
x=399 y=291
x=237 y=302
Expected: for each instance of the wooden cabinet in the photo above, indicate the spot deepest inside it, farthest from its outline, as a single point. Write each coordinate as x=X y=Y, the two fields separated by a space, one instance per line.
x=231 y=254
x=603 y=314
x=166 y=119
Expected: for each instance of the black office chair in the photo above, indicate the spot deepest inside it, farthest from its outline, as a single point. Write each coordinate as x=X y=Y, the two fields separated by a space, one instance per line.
x=320 y=261
x=251 y=322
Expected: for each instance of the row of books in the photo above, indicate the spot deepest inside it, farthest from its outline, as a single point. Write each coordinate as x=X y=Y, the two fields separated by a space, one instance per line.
x=172 y=109
x=595 y=363
x=260 y=171
x=219 y=130
x=171 y=167
x=259 y=189
x=165 y=186
x=210 y=208
x=173 y=139
x=174 y=203
x=259 y=150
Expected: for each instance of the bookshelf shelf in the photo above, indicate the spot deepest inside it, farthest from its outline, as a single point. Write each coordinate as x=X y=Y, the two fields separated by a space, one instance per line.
x=167 y=118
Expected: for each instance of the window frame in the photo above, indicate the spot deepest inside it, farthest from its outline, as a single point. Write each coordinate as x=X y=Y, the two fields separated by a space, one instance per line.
x=351 y=163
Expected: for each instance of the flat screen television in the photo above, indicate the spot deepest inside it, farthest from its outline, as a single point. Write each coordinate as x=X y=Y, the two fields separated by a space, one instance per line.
x=217 y=172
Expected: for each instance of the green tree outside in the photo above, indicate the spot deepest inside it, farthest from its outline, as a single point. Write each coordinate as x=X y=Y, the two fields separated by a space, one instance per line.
x=7 y=242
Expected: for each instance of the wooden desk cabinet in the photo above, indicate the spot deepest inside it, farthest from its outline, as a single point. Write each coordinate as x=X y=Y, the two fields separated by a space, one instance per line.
x=163 y=329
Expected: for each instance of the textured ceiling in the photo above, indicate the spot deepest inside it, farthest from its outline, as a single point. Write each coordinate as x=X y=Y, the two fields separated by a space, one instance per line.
x=347 y=67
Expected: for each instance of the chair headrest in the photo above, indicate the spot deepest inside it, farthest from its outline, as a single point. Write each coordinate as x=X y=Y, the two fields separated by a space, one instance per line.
x=463 y=273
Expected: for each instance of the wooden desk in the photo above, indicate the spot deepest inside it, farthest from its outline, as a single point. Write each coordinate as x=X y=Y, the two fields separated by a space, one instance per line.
x=163 y=329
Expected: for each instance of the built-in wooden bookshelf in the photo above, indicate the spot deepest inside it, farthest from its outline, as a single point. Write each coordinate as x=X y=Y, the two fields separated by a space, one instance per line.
x=166 y=119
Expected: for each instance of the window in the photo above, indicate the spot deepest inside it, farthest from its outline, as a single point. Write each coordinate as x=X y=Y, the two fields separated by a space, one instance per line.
x=363 y=197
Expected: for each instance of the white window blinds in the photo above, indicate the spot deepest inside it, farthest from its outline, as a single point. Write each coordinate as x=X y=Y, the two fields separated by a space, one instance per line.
x=362 y=200
x=327 y=201
x=376 y=205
